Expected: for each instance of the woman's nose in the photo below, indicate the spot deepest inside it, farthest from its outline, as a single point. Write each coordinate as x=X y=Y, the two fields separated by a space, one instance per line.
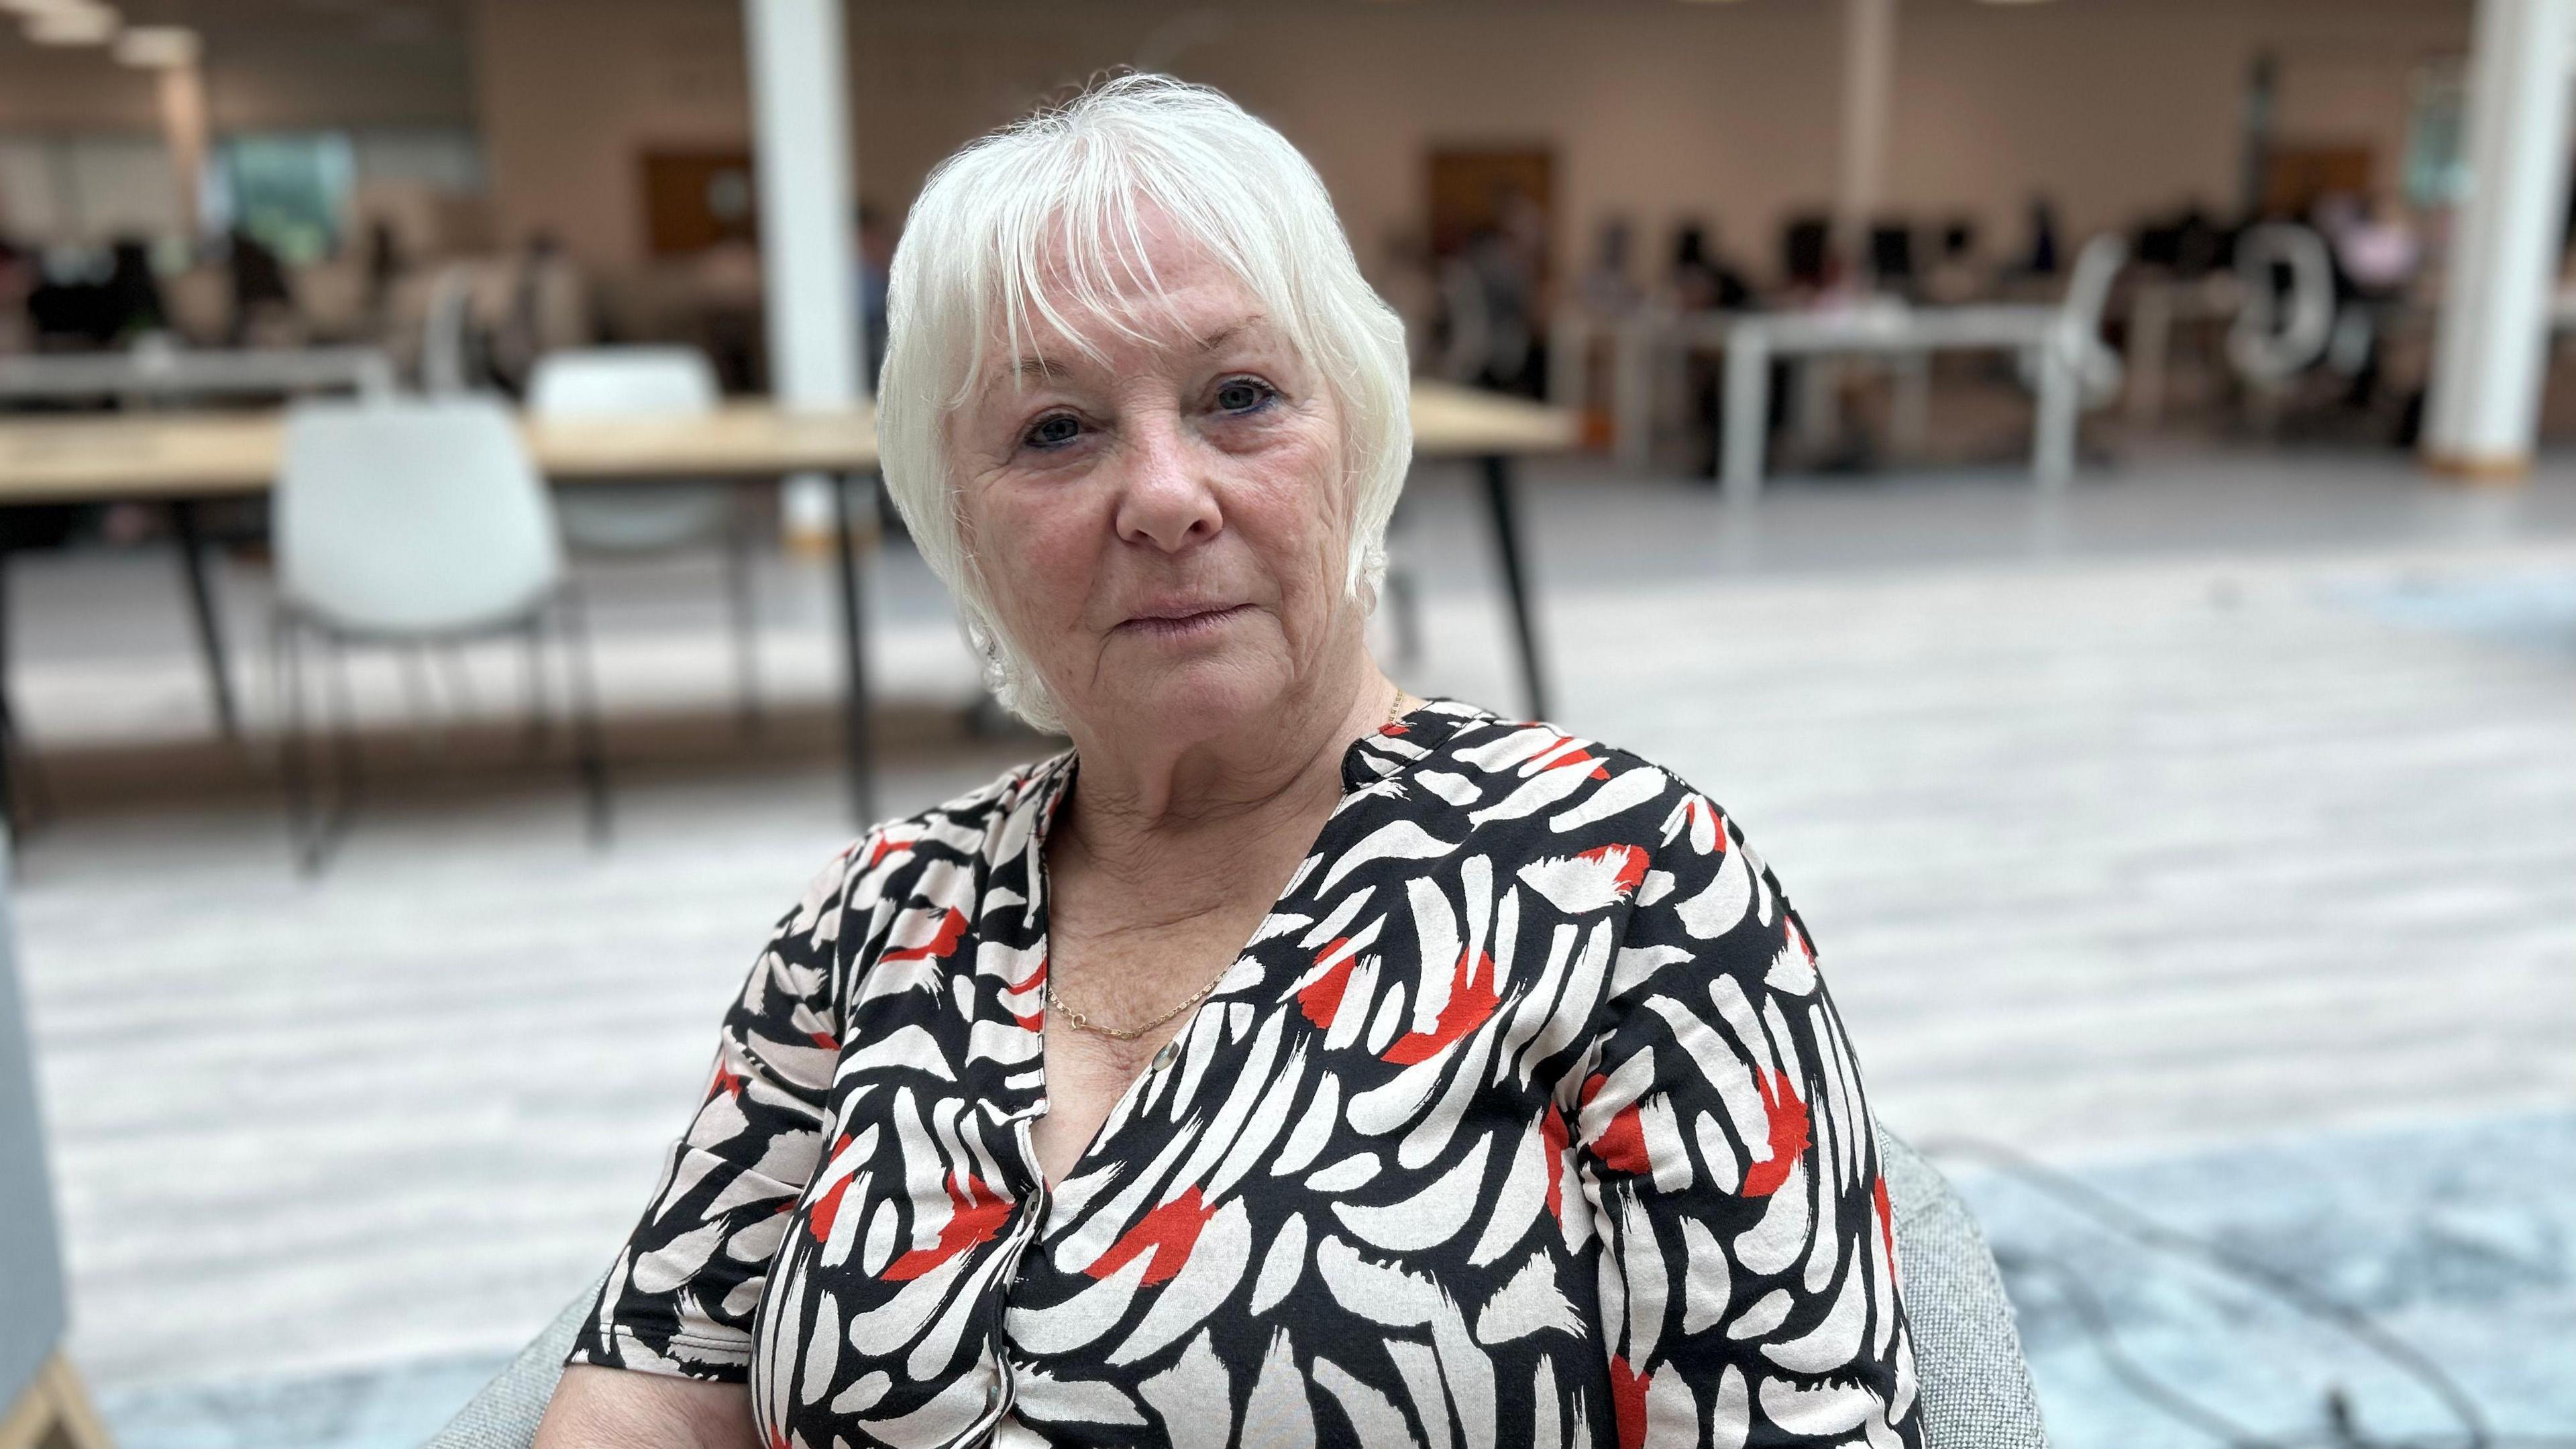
x=1166 y=498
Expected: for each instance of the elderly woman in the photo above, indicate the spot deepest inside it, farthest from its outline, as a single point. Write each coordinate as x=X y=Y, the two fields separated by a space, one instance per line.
x=1292 y=1060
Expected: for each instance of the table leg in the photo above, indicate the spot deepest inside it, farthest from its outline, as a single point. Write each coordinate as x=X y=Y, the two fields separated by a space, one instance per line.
x=201 y=604
x=1507 y=546
x=2150 y=343
x=8 y=716
x=2052 y=443
x=1635 y=368
x=1748 y=412
x=854 y=640
x=1913 y=412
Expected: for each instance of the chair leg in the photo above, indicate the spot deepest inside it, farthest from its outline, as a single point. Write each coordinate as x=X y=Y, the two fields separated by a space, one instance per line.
x=1403 y=596
x=350 y=755
x=421 y=698
x=1405 y=604
x=581 y=695
x=54 y=1410
x=460 y=684
x=742 y=605
x=540 y=718
x=294 y=760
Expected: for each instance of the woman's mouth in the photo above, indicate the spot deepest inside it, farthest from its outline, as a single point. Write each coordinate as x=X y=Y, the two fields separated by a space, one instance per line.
x=1182 y=626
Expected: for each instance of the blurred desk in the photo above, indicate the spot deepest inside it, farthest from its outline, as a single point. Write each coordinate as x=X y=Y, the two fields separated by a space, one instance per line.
x=2157 y=302
x=1450 y=421
x=161 y=372
x=1642 y=344
x=180 y=460
x=1755 y=338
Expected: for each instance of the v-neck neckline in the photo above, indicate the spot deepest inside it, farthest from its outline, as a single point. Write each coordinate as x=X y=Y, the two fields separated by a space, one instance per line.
x=1355 y=777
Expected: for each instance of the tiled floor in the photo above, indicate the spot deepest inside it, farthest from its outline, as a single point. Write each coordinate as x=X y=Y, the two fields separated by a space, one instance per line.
x=2228 y=797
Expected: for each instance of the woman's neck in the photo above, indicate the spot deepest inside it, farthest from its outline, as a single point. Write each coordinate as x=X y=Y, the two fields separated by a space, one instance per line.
x=1166 y=814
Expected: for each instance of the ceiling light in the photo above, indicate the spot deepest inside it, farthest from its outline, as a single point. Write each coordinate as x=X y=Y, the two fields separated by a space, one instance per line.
x=157 y=45
x=72 y=25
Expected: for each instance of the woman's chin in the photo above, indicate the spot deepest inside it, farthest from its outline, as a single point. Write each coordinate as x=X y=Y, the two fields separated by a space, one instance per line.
x=1199 y=697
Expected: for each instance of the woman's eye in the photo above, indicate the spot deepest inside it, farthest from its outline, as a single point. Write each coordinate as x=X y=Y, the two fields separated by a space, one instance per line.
x=1053 y=431
x=1242 y=395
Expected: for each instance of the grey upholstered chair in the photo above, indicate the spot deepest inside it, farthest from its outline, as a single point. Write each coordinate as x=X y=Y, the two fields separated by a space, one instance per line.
x=1975 y=1388
x=39 y=1393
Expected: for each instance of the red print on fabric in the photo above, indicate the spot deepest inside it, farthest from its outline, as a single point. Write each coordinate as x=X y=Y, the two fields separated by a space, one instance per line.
x=1471 y=1001
x=1553 y=1137
x=1575 y=756
x=952 y=929
x=1031 y=1020
x=1321 y=998
x=1788 y=1135
x=726 y=1080
x=1632 y=866
x=975 y=1214
x=1886 y=1222
x=1621 y=1147
x=887 y=845
x=1628 y=1401
x=1168 y=1232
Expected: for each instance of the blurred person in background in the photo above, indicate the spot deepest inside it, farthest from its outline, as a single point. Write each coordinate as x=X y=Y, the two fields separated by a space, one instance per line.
x=261 y=296
x=131 y=296
x=1956 y=274
x=875 y=253
x=1701 y=280
x=18 y=273
x=2376 y=258
x=546 y=308
x=2039 y=252
x=1284 y=1019
x=1609 y=286
x=1490 y=300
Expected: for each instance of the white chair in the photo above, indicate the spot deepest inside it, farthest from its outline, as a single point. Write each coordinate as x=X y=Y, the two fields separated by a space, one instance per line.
x=2279 y=334
x=415 y=523
x=654 y=518
x=2076 y=340
x=2088 y=295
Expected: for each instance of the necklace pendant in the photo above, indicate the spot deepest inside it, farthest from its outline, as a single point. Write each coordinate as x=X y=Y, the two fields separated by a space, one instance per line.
x=1170 y=1053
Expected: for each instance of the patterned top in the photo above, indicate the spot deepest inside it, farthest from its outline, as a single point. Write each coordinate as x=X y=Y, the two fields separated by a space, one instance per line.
x=1522 y=1118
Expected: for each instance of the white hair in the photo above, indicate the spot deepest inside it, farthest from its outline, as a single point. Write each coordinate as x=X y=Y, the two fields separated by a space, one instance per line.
x=1047 y=217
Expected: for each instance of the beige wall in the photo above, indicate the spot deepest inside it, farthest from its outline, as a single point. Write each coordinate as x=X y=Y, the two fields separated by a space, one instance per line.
x=261 y=78
x=1656 y=109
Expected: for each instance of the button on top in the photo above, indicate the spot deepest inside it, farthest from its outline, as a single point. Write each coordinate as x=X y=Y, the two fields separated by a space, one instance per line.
x=1170 y=1053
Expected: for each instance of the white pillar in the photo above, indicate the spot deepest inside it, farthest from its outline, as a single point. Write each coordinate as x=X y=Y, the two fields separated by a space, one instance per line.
x=1869 y=79
x=801 y=143
x=2490 y=349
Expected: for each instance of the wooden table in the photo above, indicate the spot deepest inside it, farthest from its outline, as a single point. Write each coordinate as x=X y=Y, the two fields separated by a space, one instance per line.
x=181 y=460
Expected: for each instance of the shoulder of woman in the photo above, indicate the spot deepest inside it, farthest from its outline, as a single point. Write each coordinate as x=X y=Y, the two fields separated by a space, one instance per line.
x=896 y=859
x=1586 y=825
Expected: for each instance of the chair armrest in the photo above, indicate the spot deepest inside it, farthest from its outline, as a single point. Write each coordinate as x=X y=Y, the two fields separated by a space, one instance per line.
x=1974 y=1384
x=505 y=1414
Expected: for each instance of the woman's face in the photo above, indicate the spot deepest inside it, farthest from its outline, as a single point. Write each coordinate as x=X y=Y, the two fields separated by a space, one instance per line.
x=1163 y=530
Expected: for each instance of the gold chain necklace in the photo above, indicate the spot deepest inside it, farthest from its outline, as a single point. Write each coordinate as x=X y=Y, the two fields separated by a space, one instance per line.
x=1079 y=1022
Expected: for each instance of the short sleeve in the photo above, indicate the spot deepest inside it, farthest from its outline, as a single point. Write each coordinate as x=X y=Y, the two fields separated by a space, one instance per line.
x=682 y=1294
x=1748 y=1276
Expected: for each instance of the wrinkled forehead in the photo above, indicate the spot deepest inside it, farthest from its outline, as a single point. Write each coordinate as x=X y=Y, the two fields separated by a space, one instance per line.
x=1100 y=291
